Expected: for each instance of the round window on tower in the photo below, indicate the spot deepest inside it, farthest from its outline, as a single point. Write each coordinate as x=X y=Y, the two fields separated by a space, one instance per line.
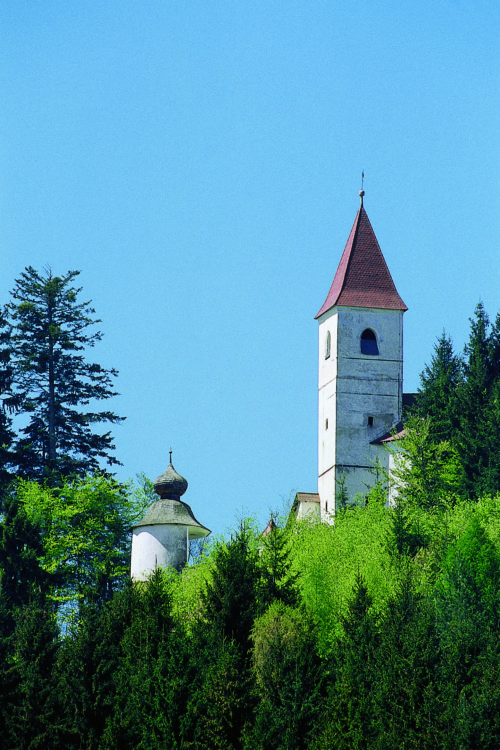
x=369 y=342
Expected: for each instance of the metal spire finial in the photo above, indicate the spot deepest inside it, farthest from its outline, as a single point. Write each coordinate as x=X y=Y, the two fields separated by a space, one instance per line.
x=170 y=452
x=362 y=192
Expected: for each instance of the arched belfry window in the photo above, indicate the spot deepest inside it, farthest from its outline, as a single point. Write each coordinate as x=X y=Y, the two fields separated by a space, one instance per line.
x=328 y=345
x=368 y=342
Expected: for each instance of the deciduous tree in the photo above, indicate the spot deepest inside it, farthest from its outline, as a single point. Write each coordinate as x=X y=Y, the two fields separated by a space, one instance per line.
x=85 y=530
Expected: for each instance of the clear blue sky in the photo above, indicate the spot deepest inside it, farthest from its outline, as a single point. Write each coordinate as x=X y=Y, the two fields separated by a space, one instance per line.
x=200 y=163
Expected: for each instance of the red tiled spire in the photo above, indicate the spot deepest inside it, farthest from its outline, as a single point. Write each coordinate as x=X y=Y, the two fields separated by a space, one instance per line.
x=362 y=278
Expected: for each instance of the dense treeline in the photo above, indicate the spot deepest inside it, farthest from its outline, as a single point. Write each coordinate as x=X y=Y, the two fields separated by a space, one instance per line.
x=379 y=632
x=460 y=394
x=314 y=637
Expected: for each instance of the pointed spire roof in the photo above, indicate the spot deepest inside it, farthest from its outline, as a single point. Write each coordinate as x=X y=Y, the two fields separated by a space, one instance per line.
x=363 y=278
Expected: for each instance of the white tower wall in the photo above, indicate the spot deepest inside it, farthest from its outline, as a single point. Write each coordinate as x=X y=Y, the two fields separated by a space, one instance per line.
x=158 y=546
x=360 y=398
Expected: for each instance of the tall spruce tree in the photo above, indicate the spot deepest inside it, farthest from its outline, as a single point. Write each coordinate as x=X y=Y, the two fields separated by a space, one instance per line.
x=6 y=405
x=21 y=575
x=460 y=395
x=221 y=704
x=479 y=409
x=54 y=384
x=277 y=581
x=437 y=395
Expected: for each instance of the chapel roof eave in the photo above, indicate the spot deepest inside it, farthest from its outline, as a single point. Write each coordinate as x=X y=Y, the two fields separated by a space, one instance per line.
x=171 y=512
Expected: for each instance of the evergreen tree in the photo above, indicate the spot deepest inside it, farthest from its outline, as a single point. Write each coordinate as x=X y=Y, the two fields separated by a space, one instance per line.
x=479 y=408
x=30 y=713
x=289 y=679
x=53 y=382
x=221 y=702
x=7 y=403
x=426 y=474
x=437 y=395
x=21 y=575
x=348 y=714
x=230 y=598
x=405 y=710
x=220 y=706
x=466 y=604
x=151 y=674
x=277 y=582
x=78 y=682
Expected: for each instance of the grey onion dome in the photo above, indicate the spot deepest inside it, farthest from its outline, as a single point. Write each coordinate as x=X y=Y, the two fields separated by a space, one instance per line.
x=170 y=485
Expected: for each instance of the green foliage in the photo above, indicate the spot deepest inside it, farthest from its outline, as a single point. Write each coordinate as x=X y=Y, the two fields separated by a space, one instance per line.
x=287 y=672
x=85 y=531
x=230 y=599
x=437 y=396
x=478 y=407
x=381 y=649
x=329 y=559
x=220 y=706
x=460 y=397
x=52 y=380
x=277 y=581
x=347 y=721
x=30 y=717
x=471 y=574
x=405 y=697
x=7 y=404
x=426 y=474
x=22 y=576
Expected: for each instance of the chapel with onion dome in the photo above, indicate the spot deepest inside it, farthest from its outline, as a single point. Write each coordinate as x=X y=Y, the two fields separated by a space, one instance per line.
x=161 y=539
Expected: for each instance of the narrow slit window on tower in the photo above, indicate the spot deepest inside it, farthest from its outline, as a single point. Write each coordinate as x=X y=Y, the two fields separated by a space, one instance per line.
x=368 y=342
x=370 y=421
x=328 y=345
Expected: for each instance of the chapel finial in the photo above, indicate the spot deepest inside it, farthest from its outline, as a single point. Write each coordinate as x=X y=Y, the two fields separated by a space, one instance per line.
x=362 y=192
x=170 y=452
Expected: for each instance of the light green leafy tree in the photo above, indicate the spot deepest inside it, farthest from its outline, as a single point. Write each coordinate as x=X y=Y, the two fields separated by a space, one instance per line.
x=85 y=529
x=330 y=558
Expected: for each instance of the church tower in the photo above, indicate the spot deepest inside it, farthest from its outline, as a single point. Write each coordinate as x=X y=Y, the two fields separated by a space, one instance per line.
x=360 y=377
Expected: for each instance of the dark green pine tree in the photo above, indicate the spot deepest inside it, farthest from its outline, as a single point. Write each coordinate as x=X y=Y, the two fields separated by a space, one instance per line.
x=53 y=382
x=22 y=583
x=437 y=395
x=289 y=678
x=146 y=709
x=7 y=404
x=80 y=688
x=21 y=576
x=478 y=407
x=277 y=581
x=230 y=599
x=467 y=615
x=405 y=707
x=348 y=715
x=221 y=704
x=30 y=713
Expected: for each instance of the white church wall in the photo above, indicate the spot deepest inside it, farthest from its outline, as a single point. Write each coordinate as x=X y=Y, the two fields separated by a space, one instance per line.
x=327 y=411
x=159 y=546
x=359 y=399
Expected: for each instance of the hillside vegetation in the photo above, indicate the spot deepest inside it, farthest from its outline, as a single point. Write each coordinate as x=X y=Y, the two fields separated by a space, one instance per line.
x=382 y=631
